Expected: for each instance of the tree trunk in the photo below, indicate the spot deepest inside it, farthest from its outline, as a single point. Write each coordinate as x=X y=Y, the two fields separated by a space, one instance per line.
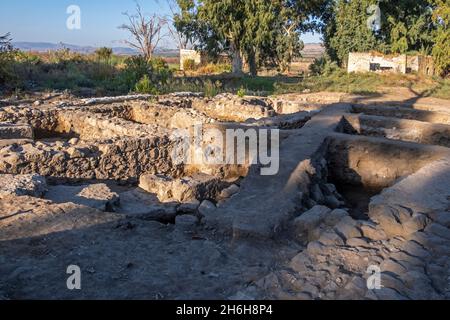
x=252 y=64
x=237 y=61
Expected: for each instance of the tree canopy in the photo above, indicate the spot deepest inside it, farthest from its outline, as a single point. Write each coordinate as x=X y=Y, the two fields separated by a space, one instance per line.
x=441 y=49
x=258 y=31
x=262 y=32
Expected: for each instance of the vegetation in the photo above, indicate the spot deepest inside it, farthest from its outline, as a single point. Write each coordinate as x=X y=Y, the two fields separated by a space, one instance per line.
x=189 y=65
x=441 y=49
x=97 y=73
x=259 y=32
x=404 y=26
x=104 y=54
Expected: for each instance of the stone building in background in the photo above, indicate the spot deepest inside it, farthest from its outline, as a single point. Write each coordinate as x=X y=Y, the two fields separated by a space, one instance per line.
x=378 y=62
x=193 y=55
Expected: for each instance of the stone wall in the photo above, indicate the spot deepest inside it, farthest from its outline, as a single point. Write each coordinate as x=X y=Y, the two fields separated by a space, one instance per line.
x=370 y=61
x=377 y=62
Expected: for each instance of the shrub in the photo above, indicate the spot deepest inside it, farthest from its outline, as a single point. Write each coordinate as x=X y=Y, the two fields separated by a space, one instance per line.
x=104 y=54
x=214 y=68
x=7 y=54
x=241 y=92
x=212 y=89
x=189 y=65
x=145 y=86
x=160 y=71
x=324 y=66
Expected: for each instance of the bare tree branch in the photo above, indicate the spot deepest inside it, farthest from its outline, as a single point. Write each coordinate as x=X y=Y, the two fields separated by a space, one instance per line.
x=146 y=31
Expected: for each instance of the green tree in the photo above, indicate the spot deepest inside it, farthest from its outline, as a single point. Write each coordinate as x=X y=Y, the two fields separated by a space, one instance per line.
x=7 y=55
x=441 y=49
x=5 y=43
x=406 y=25
x=346 y=29
x=256 y=31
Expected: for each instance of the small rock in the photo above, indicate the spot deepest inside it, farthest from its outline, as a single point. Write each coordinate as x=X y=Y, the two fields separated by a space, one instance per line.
x=390 y=265
x=315 y=247
x=331 y=238
x=418 y=222
x=206 y=207
x=229 y=192
x=332 y=202
x=310 y=220
x=75 y=153
x=335 y=217
x=189 y=207
x=370 y=231
x=348 y=228
x=300 y=263
x=316 y=194
x=357 y=242
x=73 y=141
x=331 y=188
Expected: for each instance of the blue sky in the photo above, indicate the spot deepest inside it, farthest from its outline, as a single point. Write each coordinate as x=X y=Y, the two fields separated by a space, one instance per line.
x=45 y=20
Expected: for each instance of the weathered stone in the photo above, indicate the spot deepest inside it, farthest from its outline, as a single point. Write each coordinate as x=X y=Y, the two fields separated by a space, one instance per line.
x=331 y=238
x=206 y=208
x=418 y=222
x=186 y=222
x=335 y=216
x=188 y=189
x=300 y=263
x=228 y=107
x=189 y=207
x=315 y=247
x=372 y=232
x=332 y=202
x=22 y=185
x=310 y=220
x=390 y=265
x=316 y=194
x=356 y=288
x=348 y=228
x=442 y=218
x=15 y=131
x=143 y=205
x=97 y=196
x=229 y=192
x=438 y=230
x=73 y=141
x=357 y=242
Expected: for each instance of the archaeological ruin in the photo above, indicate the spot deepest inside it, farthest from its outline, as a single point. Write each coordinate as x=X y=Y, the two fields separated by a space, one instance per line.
x=362 y=187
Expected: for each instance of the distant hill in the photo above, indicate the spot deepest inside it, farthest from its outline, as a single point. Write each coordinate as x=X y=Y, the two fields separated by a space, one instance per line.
x=47 y=46
x=311 y=50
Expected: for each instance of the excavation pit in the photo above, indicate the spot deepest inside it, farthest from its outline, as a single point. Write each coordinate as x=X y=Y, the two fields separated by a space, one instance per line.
x=401 y=112
x=398 y=129
x=362 y=167
x=197 y=231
